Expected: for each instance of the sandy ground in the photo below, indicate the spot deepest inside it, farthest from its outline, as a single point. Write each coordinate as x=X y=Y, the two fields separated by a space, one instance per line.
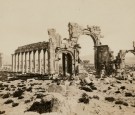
x=68 y=95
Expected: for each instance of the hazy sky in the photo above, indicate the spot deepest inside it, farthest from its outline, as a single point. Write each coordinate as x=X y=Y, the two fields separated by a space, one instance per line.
x=26 y=21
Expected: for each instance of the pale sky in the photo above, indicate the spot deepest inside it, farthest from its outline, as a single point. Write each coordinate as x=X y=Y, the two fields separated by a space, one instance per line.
x=26 y=21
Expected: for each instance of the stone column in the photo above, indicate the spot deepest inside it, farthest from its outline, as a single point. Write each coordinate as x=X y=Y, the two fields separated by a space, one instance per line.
x=25 y=68
x=63 y=62
x=57 y=65
x=39 y=64
x=12 y=62
x=44 y=51
x=22 y=66
x=47 y=61
x=34 y=66
x=15 y=63
x=18 y=66
x=30 y=62
x=51 y=56
x=95 y=59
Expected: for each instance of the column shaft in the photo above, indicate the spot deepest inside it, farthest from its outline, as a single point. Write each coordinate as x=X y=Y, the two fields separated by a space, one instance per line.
x=12 y=62
x=22 y=66
x=39 y=64
x=44 y=61
x=15 y=63
x=34 y=69
x=25 y=62
x=18 y=66
x=30 y=62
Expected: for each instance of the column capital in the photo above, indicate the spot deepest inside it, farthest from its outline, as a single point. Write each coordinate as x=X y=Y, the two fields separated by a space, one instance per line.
x=44 y=50
x=34 y=51
x=22 y=53
x=30 y=52
x=25 y=52
x=39 y=51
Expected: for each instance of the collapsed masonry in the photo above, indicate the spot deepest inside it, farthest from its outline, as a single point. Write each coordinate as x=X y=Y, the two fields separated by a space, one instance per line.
x=58 y=57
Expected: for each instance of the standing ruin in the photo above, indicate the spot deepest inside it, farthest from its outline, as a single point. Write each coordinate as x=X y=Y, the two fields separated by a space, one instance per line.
x=69 y=51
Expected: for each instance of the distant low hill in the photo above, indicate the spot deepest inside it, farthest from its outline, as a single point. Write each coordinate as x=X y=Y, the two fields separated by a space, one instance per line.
x=88 y=57
x=130 y=60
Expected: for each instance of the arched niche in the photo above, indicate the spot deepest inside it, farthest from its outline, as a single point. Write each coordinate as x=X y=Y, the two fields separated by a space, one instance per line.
x=67 y=61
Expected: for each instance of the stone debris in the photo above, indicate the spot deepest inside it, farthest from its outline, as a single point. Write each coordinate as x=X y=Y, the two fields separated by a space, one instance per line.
x=84 y=99
x=8 y=101
x=18 y=93
x=2 y=112
x=110 y=99
x=15 y=104
x=128 y=94
x=55 y=88
x=48 y=103
x=86 y=88
x=71 y=96
x=7 y=95
x=120 y=102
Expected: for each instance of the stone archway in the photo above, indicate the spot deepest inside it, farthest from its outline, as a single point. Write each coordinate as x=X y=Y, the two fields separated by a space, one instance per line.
x=67 y=62
x=94 y=32
x=121 y=57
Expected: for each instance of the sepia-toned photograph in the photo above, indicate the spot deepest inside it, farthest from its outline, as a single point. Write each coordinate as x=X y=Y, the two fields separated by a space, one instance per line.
x=67 y=57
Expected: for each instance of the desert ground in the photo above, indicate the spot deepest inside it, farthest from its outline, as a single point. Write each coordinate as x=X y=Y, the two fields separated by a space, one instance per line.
x=88 y=96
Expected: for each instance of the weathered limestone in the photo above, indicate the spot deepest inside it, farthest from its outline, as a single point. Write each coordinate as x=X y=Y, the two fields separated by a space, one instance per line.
x=18 y=66
x=69 y=51
x=120 y=58
x=25 y=67
x=30 y=62
x=39 y=62
x=22 y=64
x=34 y=63
x=93 y=31
x=44 y=59
x=15 y=63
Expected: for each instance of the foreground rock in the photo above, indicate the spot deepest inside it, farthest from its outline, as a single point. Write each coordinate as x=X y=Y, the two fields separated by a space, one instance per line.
x=48 y=103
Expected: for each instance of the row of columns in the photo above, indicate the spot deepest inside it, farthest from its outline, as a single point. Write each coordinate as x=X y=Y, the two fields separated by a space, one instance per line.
x=29 y=67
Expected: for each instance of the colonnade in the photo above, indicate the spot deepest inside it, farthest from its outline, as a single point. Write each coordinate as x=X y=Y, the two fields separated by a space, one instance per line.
x=25 y=62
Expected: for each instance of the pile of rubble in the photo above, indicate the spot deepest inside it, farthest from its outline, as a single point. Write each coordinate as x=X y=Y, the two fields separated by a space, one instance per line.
x=85 y=94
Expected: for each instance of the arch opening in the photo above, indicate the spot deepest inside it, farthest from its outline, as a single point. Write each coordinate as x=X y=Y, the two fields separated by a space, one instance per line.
x=86 y=53
x=130 y=61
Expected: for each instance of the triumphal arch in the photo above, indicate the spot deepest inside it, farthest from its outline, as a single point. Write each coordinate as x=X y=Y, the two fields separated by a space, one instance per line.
x=60 y=57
